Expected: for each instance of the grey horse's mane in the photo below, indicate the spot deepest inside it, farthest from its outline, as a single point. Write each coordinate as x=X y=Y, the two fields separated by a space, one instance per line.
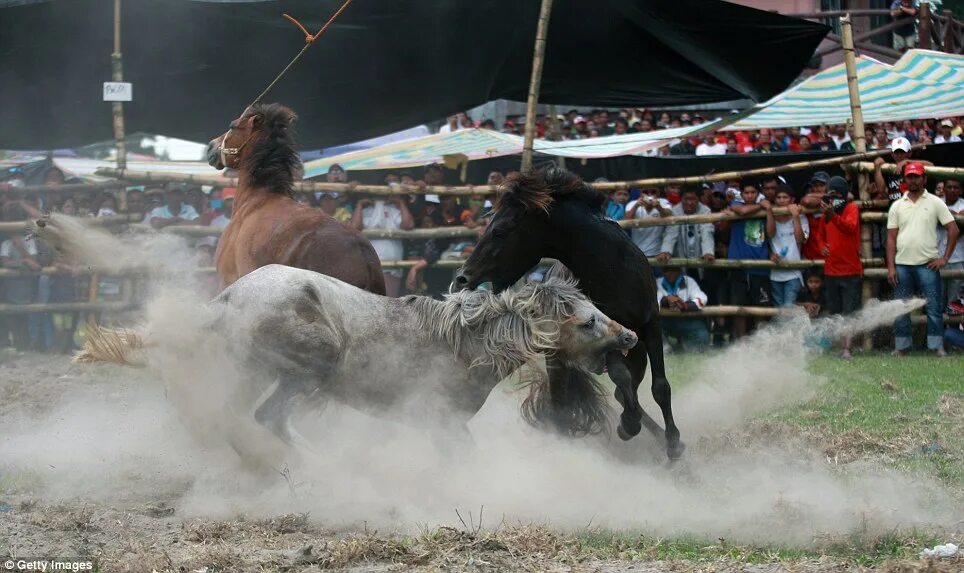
x=509 y=328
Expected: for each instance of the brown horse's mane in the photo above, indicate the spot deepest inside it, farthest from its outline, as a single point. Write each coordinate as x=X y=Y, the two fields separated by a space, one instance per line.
x=273 y=160
x=537 y=191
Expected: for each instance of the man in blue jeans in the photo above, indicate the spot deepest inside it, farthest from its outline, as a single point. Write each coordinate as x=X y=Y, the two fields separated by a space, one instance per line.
x=913 y=263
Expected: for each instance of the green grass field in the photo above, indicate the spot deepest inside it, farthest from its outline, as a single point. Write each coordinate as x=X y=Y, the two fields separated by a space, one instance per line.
x=907 y=413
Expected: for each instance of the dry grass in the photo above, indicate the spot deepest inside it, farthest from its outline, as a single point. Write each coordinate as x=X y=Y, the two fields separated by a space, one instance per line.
x=114 y=345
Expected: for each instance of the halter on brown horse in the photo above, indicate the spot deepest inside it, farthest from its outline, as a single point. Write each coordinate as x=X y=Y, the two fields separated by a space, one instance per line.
x=267 y=225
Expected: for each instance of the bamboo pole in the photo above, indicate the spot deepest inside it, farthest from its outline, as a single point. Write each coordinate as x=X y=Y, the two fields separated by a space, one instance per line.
x=860 y=143
x=873 y=267
x=538 y=58
x=453 y=232
x=931 y=171
x=72 y=187
x=90 y=307
x=117 y=70
x=464 y=190
x=706 y=312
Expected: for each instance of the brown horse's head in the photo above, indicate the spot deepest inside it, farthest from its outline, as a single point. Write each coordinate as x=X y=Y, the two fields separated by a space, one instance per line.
x=261 y=144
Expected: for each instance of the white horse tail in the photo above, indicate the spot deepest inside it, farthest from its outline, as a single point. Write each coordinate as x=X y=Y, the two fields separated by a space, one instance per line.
x=113 y=345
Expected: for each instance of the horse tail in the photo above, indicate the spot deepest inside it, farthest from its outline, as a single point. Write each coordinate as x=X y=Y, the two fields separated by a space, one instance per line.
x=568 y=399
x=113 y=345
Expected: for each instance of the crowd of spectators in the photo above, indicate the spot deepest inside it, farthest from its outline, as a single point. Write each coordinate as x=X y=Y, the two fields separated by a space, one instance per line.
x=600 y=122
x=821 y=222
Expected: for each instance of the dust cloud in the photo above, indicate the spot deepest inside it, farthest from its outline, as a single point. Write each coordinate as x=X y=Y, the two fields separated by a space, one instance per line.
x=163 y=434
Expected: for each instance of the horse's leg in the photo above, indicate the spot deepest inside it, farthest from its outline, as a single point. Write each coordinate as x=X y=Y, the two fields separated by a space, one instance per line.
x=273 y=413
x=627 y=372
x=662 y=393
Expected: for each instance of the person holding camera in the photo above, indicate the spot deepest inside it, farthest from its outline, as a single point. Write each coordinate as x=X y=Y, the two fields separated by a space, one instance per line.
x=843 y=270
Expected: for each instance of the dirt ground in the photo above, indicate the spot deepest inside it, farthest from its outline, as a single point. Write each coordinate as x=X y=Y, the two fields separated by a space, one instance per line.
x=127 y=520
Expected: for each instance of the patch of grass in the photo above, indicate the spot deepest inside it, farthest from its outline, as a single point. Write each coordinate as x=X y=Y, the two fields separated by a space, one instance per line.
x=856 y=549
x=910 y=410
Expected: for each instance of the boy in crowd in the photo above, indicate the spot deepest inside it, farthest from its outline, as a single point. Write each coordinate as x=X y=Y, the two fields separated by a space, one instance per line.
x=616 y=207
x=676 y=291
x=787 y=235
x=748 y=242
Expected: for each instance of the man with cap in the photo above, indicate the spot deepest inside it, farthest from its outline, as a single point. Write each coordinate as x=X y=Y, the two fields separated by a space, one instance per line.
x=816 y=246
x=946 y=135
x=843 y=270
x=913 y=263
x=891 y=186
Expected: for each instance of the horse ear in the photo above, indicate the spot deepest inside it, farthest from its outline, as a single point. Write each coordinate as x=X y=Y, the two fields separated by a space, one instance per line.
x=559 y=271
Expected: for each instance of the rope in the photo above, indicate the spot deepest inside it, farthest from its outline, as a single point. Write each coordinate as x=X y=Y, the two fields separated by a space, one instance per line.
x=309 y=40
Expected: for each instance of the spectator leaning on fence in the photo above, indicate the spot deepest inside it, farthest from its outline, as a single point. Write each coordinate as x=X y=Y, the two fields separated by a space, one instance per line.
x=174 y=211
x=649 y=205
x=787 y=235
x=955 y=204
x=748 y=242
x=690 y=240
x=390 y=214
x=843 y=270
x=676 y=291
x=913 y=262
x=815 y=248
x=905 y=35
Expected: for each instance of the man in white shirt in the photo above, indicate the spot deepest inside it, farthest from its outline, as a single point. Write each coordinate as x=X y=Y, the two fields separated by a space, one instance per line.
x=677 y=292
x=649 y=205
x=955 y=203
x=386 y=213
x=709 y=146
x=945 y=135
x=175 y=211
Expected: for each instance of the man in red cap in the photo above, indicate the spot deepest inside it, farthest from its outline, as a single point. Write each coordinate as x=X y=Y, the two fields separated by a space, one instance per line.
x=913 y=263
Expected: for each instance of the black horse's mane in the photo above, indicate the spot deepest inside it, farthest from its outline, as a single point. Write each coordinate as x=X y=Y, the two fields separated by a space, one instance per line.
x=537 y=191
x=273 y=160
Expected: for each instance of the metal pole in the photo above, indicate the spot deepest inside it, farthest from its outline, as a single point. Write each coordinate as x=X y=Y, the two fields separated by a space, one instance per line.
x=538 y=57
x=117 y=72
x=860 y=145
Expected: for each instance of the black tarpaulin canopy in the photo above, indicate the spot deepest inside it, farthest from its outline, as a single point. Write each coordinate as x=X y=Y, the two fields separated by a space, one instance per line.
x=384 y=65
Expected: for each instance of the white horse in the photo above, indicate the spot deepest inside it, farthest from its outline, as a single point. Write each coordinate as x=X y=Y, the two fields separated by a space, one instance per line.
x=414 y=359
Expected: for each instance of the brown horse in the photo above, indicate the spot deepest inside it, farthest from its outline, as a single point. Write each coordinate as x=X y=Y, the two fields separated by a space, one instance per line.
x=267 y=225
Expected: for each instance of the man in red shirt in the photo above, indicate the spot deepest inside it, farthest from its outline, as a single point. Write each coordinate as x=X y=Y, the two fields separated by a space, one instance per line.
x=842 y=267
x=816 y=248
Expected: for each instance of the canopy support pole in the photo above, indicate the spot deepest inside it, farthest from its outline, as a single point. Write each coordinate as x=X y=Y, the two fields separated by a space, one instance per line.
x=535 y=81
x=860 y=146
x=118 y=76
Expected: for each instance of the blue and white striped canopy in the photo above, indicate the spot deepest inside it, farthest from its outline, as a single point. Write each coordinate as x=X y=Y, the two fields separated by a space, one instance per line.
x=922 y=84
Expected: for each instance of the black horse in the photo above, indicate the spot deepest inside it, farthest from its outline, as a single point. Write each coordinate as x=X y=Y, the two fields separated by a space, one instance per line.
x=555 y=214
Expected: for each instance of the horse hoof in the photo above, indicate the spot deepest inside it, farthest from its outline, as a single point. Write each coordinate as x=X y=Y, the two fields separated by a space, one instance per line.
x=626 y=430
x=675 y=451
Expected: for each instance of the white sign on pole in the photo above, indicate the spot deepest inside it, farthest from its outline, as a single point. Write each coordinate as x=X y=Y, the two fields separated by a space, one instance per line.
x=118 y=91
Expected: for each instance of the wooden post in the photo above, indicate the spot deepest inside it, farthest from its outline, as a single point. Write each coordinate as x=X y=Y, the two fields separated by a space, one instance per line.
x=948 y=40
x=538 y=56
x=924 y=30
x=860 y=146
x=117 y=72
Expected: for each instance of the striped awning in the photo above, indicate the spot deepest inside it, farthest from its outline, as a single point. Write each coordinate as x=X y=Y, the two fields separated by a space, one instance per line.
x=471 y=144
x=922 y=84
